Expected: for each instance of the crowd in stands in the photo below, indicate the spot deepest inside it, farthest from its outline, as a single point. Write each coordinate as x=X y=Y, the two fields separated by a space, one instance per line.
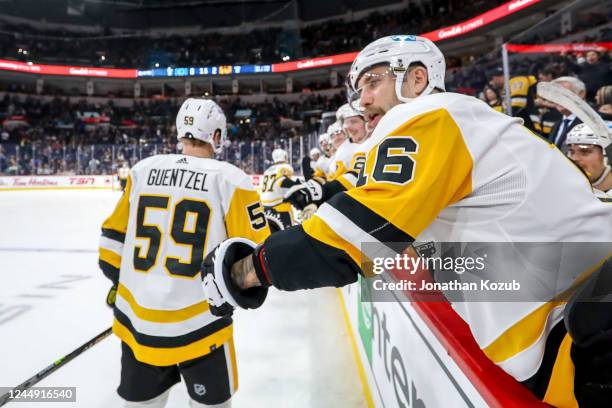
x=42 y=136
x=59 y=137
x=26 y=43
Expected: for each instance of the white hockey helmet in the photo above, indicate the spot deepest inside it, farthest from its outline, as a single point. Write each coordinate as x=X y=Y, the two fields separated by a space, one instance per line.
x=334 y=128
x=346 y=111
x=399 y=51
x=582 y=134
x=279 y=155
x=200 y=119
x=314 y=151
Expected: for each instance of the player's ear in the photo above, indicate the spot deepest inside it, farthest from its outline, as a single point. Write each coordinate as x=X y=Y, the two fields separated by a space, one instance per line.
x=420 y=76
x=217 y=137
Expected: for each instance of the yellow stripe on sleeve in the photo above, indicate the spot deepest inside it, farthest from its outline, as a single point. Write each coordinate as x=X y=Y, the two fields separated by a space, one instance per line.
x=318 y=229
x=110 y=257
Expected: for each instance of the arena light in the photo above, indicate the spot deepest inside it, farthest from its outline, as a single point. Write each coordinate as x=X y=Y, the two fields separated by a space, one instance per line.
x=558 y=48
x=479 y=21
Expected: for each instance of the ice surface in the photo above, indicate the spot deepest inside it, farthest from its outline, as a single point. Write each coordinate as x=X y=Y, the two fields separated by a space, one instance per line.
x=293 y=352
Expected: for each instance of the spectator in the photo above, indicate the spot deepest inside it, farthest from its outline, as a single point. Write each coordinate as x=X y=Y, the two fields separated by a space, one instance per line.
x=603 y=100
x=568 y=121
x=594 y=72
x=492 y=97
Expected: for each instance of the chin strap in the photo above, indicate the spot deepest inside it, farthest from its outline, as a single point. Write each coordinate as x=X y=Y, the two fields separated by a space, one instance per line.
x=603 y=176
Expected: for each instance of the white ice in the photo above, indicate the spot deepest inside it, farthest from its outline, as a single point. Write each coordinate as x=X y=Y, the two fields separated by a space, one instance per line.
x=293 y=352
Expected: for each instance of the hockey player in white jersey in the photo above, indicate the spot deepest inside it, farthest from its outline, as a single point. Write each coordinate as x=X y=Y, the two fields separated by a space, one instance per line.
x=322 y=165
x=445 y=167
x=176 y=208
x=350 y=155
x=276 y=180
x=590 y=152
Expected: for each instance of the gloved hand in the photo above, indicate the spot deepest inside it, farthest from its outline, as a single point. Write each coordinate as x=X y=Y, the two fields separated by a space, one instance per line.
x=307 y=212
x=222 y=294
x=111 y=296
x=301 y=195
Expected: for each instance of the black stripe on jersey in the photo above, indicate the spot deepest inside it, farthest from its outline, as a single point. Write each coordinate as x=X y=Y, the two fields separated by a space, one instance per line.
x=113 y=234
x=332 y=188
x=368 y=220
x=319 y=265
x=605 y=199
x=109 y=271
x=169 y=342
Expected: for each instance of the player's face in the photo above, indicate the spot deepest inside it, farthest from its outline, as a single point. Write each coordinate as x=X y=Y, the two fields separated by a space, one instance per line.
x=589 y=158
x=377 y=91
x=355 y=127
x=337 y=139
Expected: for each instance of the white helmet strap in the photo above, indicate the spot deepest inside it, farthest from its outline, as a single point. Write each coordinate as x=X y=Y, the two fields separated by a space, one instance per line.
x=603 y=176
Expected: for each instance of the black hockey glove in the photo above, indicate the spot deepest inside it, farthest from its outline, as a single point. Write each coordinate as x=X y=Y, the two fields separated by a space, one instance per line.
x=221 y=292
x=301 y=195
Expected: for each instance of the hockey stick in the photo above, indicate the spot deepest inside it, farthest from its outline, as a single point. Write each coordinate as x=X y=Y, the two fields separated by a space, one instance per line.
x=57 y=364
x=572 y=102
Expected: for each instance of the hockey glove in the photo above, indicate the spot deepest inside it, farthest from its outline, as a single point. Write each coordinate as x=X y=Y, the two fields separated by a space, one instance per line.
x=111 y=296
x=220 y=291
x=301 y=195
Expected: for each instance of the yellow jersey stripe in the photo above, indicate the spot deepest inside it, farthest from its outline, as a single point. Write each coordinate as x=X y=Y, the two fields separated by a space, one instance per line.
x=161 y=316
x=345 y=183
x=560 y=391
x=110 y=257
x=174 y=355
x=319 y=230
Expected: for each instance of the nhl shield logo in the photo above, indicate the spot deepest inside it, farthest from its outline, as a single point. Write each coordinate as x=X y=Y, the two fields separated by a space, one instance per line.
x=199 y=389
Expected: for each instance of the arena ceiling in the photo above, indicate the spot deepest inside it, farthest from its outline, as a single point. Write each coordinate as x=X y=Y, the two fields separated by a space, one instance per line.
x=147 y=14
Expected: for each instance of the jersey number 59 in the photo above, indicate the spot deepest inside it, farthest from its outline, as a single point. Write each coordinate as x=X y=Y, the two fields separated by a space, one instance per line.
x=193 y=236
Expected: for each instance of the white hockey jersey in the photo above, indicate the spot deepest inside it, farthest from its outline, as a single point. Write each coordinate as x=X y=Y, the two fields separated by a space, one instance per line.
x=271 y=190
x=322 y=168
x=174 y=210
x=445 y=167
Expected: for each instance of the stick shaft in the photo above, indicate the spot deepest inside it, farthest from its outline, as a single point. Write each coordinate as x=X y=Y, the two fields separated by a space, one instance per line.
x=55 y=365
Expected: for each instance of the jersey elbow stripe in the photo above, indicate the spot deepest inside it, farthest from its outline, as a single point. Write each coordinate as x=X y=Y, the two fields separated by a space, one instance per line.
x=109 y=270
x=113 y=234
x=367 y=220
x=349 y=232
x=161 y=316
x=111 y=245
x=318 y=229
x=110 y=257
x=348 y=181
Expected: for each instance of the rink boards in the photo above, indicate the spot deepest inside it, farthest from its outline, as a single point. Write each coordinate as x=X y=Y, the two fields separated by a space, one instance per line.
x=421 y=354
